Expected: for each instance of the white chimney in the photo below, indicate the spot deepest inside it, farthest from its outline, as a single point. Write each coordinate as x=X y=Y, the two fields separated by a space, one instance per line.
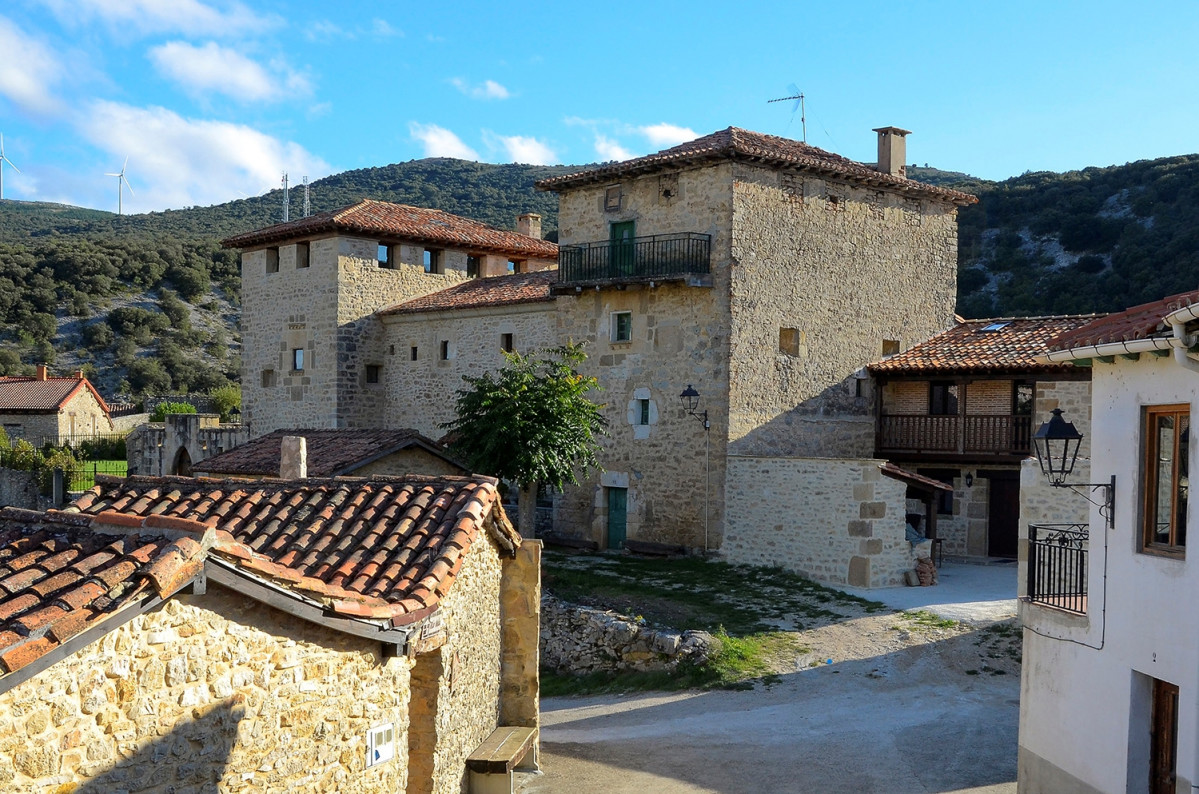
x=529 y=224
x=293 y=458
x=892 y=150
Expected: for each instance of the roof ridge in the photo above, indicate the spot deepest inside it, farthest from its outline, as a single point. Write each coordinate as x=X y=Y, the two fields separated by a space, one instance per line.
x=1033 y=317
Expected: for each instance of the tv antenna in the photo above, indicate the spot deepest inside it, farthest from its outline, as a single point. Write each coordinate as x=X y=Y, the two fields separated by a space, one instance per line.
x=798 y=98
x=4 y=160
x=122 y=183
x=285 y=199
x=307 y=206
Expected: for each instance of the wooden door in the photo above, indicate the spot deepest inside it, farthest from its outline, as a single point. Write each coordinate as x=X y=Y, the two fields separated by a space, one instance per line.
x=618 y=506
x=621 y=249
x=1003 y=514
x=1163 y=744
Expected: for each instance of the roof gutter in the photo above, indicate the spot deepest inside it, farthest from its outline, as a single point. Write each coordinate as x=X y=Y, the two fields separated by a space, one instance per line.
x=1128 y=348
x=1183 y=341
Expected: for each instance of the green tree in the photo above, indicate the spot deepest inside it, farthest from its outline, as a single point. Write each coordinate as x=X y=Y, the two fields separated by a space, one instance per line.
x=164 y=408
x=225 y=399
x=531 y=422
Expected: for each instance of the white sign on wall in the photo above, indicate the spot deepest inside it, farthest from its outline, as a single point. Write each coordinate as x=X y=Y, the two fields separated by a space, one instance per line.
x=380 y=744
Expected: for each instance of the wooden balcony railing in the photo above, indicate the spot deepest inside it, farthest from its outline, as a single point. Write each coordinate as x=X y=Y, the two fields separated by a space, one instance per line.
x=989 y=434
x=656 y=256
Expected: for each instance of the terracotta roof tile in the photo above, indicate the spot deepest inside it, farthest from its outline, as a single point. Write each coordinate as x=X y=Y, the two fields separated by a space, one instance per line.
x=378 y=547
x=482 y=292
x=64 y=572
x=27 y=395
x=984 y=346
x=386 y=221
x=738 y=144
x=1139 y=322
x=331 y=453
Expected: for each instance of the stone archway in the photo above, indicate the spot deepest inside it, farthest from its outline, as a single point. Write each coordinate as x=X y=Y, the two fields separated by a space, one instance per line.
x=183 y=463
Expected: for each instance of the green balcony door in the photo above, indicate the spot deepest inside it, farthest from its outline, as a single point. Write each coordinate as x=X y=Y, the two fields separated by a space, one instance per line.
x=621 y=249
x=618 y=513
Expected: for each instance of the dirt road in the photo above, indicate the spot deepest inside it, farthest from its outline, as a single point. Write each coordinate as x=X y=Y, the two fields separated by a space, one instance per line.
x=938 y=716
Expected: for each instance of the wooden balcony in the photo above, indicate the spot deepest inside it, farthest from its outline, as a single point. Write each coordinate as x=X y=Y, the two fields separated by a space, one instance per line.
x=954 y=437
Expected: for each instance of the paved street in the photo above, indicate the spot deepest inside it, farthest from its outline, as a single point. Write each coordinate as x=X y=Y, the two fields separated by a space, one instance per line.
x=910 y=721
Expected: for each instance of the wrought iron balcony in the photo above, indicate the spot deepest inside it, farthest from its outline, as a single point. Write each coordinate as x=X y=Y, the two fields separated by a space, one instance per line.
x=1057 y=565
x=658 y=256
x=997 y=434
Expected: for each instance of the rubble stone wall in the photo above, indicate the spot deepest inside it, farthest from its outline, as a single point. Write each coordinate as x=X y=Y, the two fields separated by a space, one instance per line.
x=834 y=520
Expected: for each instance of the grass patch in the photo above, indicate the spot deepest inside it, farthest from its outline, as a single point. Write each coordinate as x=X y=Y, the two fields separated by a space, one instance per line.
x=923 y=620
x=83 y=477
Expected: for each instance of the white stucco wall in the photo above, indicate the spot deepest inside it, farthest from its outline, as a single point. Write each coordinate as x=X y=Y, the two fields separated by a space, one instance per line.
x=1084 y=717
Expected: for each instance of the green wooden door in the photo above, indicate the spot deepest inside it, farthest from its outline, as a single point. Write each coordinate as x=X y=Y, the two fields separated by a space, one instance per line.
x=621 y=249
x=618 y=506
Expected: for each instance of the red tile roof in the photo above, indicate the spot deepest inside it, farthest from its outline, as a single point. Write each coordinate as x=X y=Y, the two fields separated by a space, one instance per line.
x=478 y=293
x=61 y=573
x=28 y=395
x=738 y=144
x=386 y=221
x=1139 y=322
x=912 y=478
x=1013 y=345
x=383 y=548
x=330 y=452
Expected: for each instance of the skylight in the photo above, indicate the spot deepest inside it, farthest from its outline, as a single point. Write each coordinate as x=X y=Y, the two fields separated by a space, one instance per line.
x=996 y=326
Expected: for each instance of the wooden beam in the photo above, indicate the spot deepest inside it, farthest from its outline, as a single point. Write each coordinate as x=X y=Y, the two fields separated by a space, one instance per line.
x=1131 y=356
x=1105 y=359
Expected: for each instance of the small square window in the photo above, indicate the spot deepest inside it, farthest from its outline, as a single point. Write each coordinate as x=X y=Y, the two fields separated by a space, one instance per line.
x=513 y=266
x=612 y=198
x=268 y=378
x=445 y=350
x=386 y=255
x=432 y=260
x=890 y=347
x=297 y=359
x=301 y=255
x=372 y=373
x=506 y=343
x=643 y=412
x=414 y=353
x=789 y=340
x=473 y=266
x=622 y=326
x=272 y=260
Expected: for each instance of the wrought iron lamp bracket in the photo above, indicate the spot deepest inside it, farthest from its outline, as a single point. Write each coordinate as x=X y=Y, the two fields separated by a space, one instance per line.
x=1107 y=508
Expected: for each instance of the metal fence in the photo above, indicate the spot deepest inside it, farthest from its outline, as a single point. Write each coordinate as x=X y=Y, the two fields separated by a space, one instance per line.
x=1057 y=565
x=657 y=255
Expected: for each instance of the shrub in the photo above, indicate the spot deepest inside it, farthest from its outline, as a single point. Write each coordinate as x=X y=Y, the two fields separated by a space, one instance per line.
x=164 y=408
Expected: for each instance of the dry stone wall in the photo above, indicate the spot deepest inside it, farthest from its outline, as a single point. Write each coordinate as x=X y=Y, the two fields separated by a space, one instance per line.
x=840 y=269
x=577 y=639
x=836 y=521
x=19 y=489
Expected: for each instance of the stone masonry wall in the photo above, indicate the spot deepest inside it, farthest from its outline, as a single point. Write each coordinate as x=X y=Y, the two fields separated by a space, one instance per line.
x=409 y=461
x=836 y=521
x=841 y=269
x=30 y=427
x=420 y=394
x=19 y=489
x=206 y=693
x=679 y=337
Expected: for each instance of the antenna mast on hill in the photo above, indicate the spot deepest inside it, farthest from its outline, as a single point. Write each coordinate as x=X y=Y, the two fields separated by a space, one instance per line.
x=307 y=206
x=799 y=105
x=4 y=160
x=285 y=200
x=122 y=183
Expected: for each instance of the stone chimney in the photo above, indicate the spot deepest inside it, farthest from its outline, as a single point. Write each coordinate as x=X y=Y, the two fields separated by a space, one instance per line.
x=892 y=150
x=79 y=375
x=293 y=458
x=529 y=224
x=42 y=372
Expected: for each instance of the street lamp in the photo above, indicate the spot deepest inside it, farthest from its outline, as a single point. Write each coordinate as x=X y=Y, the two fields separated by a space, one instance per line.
x=690 y=400
x=1056 y=445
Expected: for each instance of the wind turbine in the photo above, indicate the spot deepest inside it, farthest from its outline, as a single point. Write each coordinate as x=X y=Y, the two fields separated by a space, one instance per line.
x=121 y=179
x=4 y=160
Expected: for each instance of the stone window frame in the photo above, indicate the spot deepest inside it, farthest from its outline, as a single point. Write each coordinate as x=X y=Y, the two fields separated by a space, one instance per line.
x=613 y=198
x=272 y=260
x=890 y=348
x=616 y=329
x=789 y=341
x=385 y=256
x=373 y=374
x=643 y=411
x=434 y=261
x=269 y=379
x=1153 y=421
x=517 y=266
x=474 y=265
x=297 y=359
x=444 y=352
x=303 y=255
x=506 y=342
x=413 y=354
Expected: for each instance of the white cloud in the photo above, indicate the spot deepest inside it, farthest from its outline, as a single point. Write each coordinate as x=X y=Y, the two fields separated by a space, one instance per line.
x=488 y=89
x=176 y=161
x=609 y=149
x=323 y=30
x=668 y=134
x=212 y=68
x=381 y=27
x=522 y=149
x=29 y=71
x=145 y=17
x=440 y=142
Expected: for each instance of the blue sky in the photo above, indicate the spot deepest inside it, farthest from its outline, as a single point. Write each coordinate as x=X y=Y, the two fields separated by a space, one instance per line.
x=212 y=99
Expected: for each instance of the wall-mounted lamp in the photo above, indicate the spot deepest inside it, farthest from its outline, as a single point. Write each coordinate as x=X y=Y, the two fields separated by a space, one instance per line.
x=690 y=401
x=1056 y=446
x=969 y=480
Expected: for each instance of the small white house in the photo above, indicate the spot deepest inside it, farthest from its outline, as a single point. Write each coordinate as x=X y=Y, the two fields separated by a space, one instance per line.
x=1110 y=689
